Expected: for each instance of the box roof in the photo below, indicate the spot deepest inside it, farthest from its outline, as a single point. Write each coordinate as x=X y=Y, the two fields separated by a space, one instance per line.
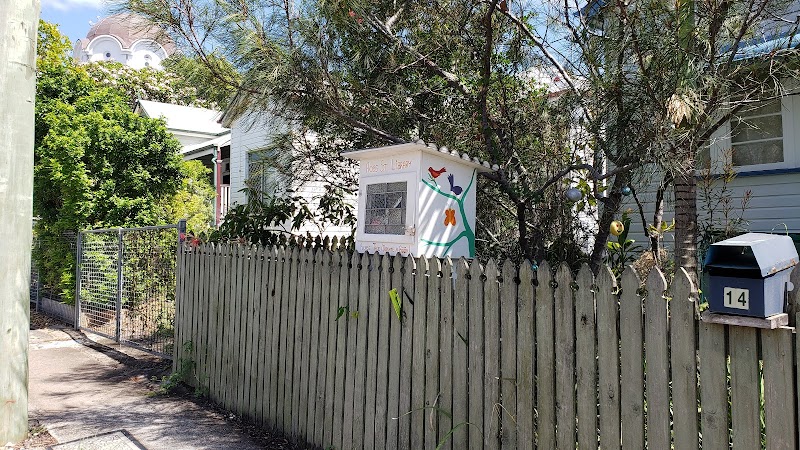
x=430 y=148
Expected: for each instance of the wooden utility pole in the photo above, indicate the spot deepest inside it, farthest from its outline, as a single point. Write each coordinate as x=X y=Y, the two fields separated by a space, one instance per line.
x=18 y=25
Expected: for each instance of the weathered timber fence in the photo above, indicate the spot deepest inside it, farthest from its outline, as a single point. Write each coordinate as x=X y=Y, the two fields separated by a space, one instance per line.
x=308 y=343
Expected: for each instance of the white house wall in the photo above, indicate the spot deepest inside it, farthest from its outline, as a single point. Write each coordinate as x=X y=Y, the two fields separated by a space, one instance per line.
x=774 y=201
x=250 y=134
x=245 y=137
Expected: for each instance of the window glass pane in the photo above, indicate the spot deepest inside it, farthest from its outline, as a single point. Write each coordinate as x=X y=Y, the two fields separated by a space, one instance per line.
x=765 y=127
x=395 y=229
x=386 y=208
x=376 y=216
x=375 y=188
x=263 y=177
x=759 y=108
x=757 y=134
x=765 y=152
x=399 y=186
x=396 y=200
x=395 y=216
x=704 y=157
x=375 y=229
x=375 y=201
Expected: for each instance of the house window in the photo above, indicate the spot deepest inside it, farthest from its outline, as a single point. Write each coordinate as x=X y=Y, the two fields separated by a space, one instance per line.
x=263 y=178
x=386 y=208
x=760 y=137
x=757 y=135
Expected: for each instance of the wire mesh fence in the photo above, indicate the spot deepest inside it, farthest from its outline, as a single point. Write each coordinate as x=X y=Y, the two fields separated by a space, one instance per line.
x=44 y=266
x=127 y=285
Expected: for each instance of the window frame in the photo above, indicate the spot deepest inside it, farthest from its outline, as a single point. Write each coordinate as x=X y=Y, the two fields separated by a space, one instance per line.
x=721 y=141
x=411 y=207
x=280 y=181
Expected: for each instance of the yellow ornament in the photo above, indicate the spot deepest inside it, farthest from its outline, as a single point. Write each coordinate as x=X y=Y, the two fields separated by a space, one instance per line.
x=617 y=228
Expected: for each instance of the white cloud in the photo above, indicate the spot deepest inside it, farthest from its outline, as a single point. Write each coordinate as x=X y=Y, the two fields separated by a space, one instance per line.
x=66 y=5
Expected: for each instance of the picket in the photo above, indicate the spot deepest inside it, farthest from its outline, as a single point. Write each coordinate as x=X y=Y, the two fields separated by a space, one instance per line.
x=265 y=334
x=201 y=335
x=254 y=323
x=526 y=358
x=509 y=411
x=395 y=350
x=492 y=406
x=445 y=374
x=382 y=348
x=335 y=431
x=361 y=325
x=417 y=414
x=779 y=389
x=407 y=295
x=565 y=358
x=288 y=315
x=211 y=312
x=330 y=296
x=476 y=355
x=545 y=359
x=460 y=437
x=217 y=391
x=683 y=361
x=656 y=361
x=372 y=316
x=234 y=320
x=585 y=351
x=314 y=354
x=714 y=394
x=631 y=365
x=479 y=357
x=276 y=383
x=351 y=320
x=301 y=324
x=241 y=347
x=745 y=420
x=322 y=285
x=433 y=320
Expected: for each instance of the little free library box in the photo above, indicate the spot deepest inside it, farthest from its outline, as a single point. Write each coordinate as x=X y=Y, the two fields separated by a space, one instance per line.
x=417 y=199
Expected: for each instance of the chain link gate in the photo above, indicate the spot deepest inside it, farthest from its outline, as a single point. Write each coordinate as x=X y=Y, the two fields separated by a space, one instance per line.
x=126 y=285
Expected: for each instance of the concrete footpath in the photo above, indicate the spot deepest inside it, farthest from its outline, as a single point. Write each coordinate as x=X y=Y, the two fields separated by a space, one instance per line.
x=93 y=396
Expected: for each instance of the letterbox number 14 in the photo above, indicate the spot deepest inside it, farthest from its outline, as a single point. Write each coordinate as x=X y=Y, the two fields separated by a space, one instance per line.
x=736 y=298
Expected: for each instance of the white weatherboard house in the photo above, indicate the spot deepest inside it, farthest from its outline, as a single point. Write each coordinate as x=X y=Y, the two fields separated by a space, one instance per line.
x=417 y=199
x=253 y=164
x=202 y=138
x=761 y=142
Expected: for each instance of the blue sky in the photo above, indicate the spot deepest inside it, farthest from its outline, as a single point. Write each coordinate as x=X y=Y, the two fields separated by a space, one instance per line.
x=74 y=16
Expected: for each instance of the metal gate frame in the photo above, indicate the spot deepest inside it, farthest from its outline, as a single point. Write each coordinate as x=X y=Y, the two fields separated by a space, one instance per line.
x=119 y=291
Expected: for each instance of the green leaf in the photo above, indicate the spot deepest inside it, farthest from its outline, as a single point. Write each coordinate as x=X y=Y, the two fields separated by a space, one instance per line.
x=397 y=303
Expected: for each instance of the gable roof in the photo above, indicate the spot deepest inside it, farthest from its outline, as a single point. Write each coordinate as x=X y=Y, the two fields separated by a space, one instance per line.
x=184 y=118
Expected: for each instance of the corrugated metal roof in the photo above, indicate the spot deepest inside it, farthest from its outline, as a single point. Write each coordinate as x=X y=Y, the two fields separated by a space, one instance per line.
x=185 y=118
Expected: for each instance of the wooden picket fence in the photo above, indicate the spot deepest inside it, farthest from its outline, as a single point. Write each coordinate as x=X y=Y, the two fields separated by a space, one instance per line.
x=307 y=342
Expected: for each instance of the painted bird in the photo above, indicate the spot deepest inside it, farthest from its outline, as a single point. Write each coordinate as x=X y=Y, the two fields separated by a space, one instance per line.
x=454 y=189
x=436 y=173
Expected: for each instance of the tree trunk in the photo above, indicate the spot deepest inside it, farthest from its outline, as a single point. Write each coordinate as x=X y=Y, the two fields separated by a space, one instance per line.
x=610 y=210
x=658 y=217
x=686 y=222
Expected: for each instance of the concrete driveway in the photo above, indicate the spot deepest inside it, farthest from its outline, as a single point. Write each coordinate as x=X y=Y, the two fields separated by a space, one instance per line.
x=93 y=396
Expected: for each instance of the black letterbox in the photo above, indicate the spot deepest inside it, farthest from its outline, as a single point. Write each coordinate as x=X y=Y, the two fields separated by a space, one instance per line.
x=749 y=274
